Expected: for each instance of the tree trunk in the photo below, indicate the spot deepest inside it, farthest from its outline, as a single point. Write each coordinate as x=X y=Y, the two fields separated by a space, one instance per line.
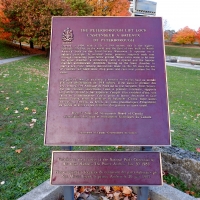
x=31 y=44
x=20 y=44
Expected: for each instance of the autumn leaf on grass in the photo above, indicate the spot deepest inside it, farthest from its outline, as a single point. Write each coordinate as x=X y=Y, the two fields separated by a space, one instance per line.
x=2 y=182
x=18 y=150
x=190 y=192
x=26 y=108
x=33 y=120
x=31 y=125
x=34 y=111
x=198 y=150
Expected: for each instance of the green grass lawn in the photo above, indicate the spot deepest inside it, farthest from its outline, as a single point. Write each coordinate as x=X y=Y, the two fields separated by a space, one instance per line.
x=182 y=51
x=23 y=90
x=184 y=102
x=25 y=161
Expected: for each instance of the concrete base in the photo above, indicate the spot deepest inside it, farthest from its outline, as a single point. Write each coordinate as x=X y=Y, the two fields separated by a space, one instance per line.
x=45 y=191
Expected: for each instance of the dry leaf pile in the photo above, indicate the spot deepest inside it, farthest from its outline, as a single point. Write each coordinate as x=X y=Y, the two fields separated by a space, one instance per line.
x=104 y=192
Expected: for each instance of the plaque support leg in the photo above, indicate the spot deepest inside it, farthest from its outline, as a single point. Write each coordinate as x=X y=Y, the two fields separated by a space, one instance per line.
x=68 y=190
x=143 y=192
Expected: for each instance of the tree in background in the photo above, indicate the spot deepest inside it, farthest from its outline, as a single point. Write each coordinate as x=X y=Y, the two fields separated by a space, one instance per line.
x=109 y=7
x=3 y=20
x=168 y=34
x=30 y=20
x=81 y=7
x=198 y=35
x=184 y=36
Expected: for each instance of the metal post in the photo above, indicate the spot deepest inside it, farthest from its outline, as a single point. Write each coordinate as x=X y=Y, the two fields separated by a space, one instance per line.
x=143 y=192
x=68 y=190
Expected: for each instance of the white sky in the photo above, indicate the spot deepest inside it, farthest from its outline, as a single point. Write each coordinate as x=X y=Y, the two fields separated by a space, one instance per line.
x=179 y=13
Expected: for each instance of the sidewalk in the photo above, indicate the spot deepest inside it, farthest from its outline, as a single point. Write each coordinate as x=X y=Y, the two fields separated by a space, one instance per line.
x=4 y=61
x=179 y=59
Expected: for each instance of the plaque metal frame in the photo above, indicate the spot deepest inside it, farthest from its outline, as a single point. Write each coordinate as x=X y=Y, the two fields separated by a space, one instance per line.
x=73 y=40
x=97 y=164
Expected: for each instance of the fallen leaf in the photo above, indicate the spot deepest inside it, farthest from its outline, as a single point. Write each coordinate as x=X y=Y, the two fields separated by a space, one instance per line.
x=31 y=125
x=165 y=173
x=172 y=184
x=7 y=108
x=77 y=194
x=192 y=193
x=198 y=150
x=2 y=182
x=18 y=150
x=16 y=111
x=7 y=98
x=80 y=189
x=107 y=189
x=110 y=196
x=116 y=195
x=12 y=147
x=34 y=111
x=104 y=198
x=126 y=190
x=33 y=120
x=26 y=108
x=117 y=188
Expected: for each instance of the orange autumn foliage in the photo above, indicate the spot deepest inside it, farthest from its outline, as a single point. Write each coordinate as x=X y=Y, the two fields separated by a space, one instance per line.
x=109 y=7
x=184 y=36
x=4 y=20
x=198 y=35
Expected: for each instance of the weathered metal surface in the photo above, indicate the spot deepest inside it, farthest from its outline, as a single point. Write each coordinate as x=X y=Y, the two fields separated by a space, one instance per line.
x=107 y=82
x=106 y=168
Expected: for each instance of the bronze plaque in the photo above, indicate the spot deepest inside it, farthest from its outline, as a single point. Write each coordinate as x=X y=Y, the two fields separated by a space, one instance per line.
x=106 y=168
x=107 y=82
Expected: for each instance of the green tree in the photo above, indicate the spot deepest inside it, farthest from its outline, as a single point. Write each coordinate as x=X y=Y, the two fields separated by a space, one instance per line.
x=80 y=6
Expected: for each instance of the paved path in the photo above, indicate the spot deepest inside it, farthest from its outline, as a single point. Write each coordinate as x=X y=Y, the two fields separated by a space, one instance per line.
x=4 y=61
x=183 y=65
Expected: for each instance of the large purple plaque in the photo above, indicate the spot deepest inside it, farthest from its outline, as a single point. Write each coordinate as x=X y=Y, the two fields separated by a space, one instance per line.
x=106 y=168
x=107 y=82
